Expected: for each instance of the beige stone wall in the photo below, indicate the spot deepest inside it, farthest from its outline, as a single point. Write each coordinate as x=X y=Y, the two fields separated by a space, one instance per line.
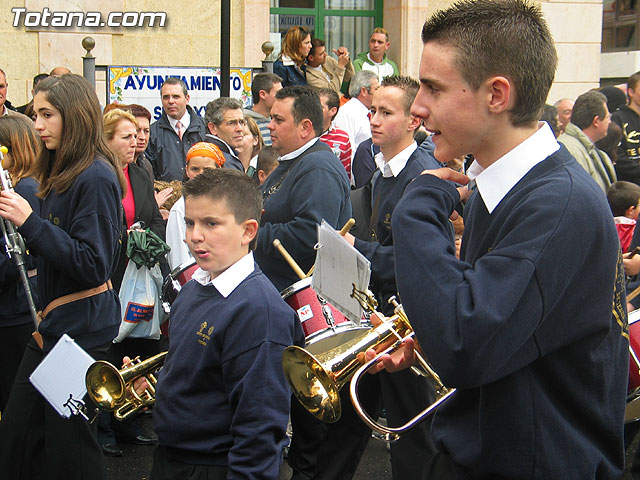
x=576 y=27
x=191 y=37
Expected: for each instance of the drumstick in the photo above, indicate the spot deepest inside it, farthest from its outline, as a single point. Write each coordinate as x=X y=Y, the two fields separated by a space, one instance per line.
x=633 y=294
x=292 y=263
x=343 y=231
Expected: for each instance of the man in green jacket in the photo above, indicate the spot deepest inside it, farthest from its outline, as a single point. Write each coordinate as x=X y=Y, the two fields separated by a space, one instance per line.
x=375 y=59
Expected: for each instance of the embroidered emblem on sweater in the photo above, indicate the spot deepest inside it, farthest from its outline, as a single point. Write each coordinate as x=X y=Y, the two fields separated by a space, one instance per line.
x=204 y=337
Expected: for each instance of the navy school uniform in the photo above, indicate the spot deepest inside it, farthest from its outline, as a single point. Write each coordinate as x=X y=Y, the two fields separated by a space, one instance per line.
x=222 y=398
x=77 y=240
x=523 y=325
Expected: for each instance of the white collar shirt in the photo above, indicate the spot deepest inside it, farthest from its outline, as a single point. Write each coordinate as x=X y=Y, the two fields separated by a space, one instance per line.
x=393 y=167
x=227 y=281
x=185 y=120
x=497 y=180
x=298 y=152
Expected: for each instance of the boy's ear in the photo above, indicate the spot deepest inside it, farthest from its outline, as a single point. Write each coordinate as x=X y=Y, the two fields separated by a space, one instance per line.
x=250 y=231
x=628 y=211
x=414 y=122
x=501 y=95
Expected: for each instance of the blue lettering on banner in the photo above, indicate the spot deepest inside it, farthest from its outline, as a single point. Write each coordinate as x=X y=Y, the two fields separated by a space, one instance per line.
x=130 y=83
x=157 y=112
x=136 y=313
x=200 y=110
x=154 y=82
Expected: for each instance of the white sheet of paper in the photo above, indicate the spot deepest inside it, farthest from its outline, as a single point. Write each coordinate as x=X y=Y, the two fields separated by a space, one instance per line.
x=338 y=267
x=61 y=373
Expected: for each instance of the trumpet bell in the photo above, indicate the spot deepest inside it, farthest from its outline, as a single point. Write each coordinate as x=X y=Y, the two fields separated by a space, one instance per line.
x=311 y=384
x=105 y=385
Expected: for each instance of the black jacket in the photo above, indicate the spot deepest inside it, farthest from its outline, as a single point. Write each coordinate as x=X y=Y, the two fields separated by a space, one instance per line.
x=146 y=211
x=166 y=152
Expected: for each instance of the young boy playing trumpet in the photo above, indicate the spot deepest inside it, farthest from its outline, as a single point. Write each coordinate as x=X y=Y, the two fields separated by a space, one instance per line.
x=222 y=400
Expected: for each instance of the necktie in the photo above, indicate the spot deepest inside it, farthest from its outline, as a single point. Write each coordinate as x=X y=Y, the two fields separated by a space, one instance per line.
x=180 y=131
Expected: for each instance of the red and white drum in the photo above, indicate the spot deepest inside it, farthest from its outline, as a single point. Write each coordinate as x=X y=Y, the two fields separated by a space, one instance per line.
x=323 y=325
x=174 y=282
x=634 y=349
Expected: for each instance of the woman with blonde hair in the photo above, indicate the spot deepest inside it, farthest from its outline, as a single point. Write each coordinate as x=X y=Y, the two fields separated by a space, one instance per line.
x=16 y=324
x=296 y=46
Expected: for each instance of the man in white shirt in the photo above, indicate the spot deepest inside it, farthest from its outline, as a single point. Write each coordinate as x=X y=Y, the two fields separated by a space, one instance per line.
x=353 y=116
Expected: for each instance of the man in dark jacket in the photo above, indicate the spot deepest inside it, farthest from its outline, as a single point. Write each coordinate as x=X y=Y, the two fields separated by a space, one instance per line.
x=225 y=122
x=172 y=135
x=628 y=118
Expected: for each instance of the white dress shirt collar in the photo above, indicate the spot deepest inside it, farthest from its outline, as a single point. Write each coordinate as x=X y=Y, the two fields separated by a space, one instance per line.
x=228 y=280
x=497 y=180
x=185 y=120
x=299 y=151
x=393 y=167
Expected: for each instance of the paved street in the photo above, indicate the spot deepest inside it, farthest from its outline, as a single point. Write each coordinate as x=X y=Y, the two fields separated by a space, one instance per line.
x=135 y=464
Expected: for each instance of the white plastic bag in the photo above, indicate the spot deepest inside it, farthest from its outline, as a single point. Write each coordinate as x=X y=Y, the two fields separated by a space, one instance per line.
x=140 y=307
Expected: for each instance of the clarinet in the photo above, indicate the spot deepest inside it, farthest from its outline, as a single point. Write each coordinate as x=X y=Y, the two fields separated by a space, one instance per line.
x=14 y=243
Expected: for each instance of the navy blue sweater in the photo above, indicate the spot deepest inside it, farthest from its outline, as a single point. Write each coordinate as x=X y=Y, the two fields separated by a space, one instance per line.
x=385 y=195
x=222 y=398
x=14 y=307
x=523 y=326
x=77 y=240
x=315 y=188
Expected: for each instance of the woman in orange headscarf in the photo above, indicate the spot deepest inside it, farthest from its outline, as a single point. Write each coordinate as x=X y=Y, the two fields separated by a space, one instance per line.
x=200 y=156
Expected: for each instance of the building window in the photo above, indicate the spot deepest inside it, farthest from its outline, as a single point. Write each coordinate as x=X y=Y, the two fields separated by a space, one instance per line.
x=620 y=22
x=339 y=23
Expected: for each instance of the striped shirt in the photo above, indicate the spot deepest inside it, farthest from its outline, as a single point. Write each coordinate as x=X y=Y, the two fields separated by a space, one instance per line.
x=338 y=142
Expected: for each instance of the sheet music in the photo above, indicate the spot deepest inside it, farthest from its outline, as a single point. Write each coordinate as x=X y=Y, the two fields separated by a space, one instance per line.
x=61 y=374
x=338 y=266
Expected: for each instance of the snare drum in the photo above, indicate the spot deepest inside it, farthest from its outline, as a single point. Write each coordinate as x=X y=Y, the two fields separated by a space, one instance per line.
x=634 y=349
x=323 y=325
x=174 y=282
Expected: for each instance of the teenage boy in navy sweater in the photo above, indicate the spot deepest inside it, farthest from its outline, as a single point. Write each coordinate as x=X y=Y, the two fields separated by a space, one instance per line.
x=222 y=400
x=398 y=163
x=530 y=324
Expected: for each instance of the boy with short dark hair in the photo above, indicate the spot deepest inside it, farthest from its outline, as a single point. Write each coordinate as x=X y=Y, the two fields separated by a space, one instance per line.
x=624 y=198
x=222 y=400
x=530 y=323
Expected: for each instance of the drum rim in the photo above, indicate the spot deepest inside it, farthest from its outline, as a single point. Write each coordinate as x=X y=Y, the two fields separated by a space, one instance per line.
x=296 y=287
x=182 y=267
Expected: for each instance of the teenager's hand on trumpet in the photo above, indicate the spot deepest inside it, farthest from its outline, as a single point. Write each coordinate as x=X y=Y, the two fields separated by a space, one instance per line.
x=14 y=208
x=403 y=358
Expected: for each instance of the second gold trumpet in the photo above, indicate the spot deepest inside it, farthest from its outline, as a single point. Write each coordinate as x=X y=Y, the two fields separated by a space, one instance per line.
x=113 y=390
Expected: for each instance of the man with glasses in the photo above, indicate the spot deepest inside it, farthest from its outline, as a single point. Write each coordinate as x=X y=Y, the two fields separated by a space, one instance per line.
x=225 y=124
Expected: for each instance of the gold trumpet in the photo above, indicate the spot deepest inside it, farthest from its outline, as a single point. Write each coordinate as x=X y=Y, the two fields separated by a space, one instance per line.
x=317 y=379
x=113 y=390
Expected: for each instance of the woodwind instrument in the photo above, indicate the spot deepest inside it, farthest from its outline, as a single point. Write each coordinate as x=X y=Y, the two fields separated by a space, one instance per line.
x=14 y=243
